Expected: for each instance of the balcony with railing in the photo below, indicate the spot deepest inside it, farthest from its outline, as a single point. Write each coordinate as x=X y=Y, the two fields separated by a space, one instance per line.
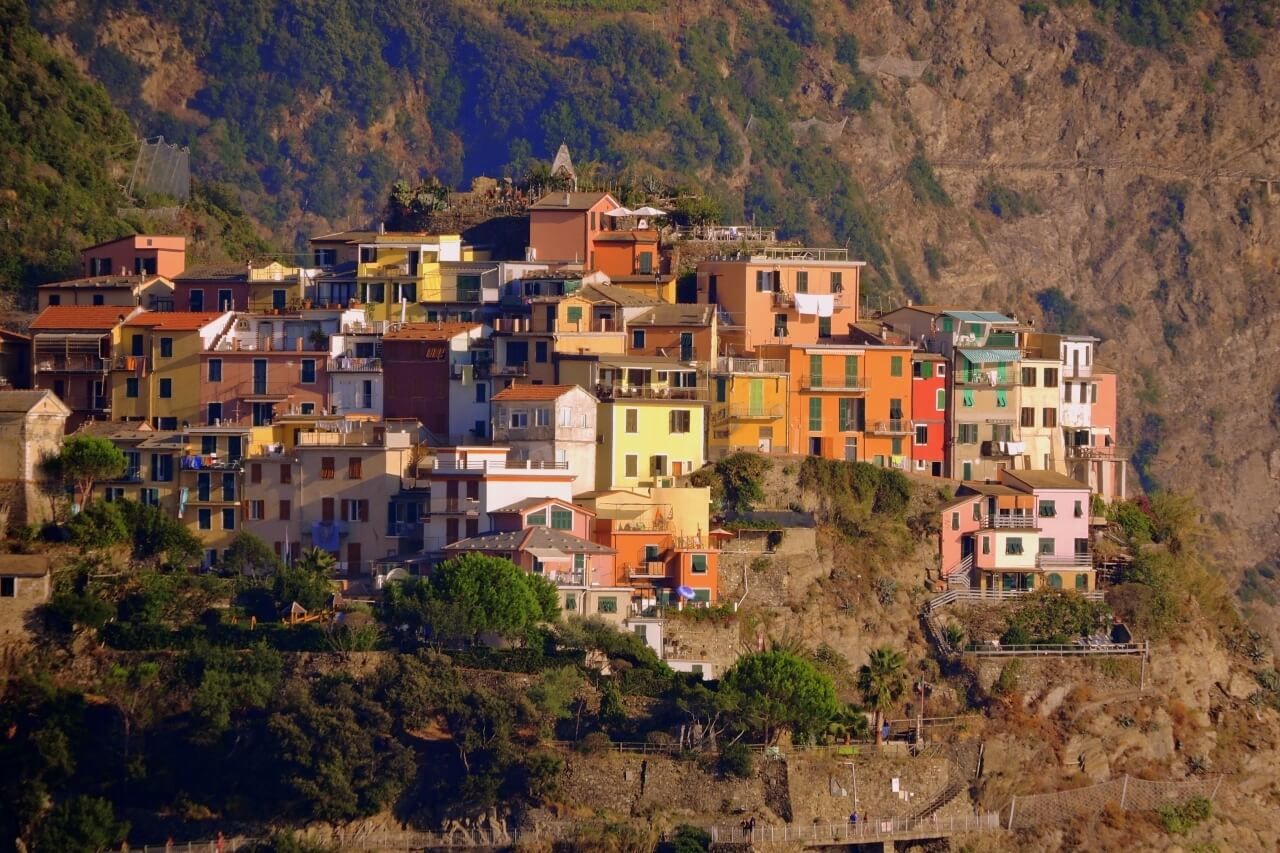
x=1049 y=562
x=787 y=299
x=1112 y=451
x=130 y=475
x=131 y=363
x=448 y=465
x=481 y=368
x=751 y=365
x=746 y=412
x=844 y=383
x=519 y=368
x=986 y=378
x=70 y=363
x=652 y=392
x=1012 y=521
x=348 y=364
x=998 y=449
x=894 y=426
x=645 y=570
x=404 y=529
x=453 y=506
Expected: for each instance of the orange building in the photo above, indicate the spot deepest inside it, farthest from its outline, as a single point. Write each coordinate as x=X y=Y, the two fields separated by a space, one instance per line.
x=563 y=226
x=781 y=295
x=138 y=254
x=850 y=401
x=685 y=332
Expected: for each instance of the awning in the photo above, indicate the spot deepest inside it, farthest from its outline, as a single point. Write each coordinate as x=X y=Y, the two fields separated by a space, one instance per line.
x=549 y=555
x=990 y=356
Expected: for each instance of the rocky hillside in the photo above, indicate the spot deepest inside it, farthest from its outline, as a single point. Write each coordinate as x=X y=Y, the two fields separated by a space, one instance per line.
x=1097 y=165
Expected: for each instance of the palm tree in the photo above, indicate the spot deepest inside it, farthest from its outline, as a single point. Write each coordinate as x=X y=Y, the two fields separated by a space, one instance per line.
x=882 y=681
x=317 y=561
x=848 y=723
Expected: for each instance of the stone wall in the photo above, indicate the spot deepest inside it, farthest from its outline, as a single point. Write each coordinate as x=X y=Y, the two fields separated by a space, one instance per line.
x=15 y=612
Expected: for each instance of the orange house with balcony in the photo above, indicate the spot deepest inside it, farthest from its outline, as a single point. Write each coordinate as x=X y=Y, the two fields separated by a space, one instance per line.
x=563 y=227
x=850 y=401
x=781 y=295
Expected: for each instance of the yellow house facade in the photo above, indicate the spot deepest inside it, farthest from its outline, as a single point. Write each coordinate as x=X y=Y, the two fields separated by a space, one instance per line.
x=1039 y=403
x=748 y=406
x=648 y=442
x=399 y=274
x=155 y=376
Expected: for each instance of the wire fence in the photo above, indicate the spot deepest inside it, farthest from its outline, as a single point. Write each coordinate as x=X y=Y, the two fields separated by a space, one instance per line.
x=1125 y=793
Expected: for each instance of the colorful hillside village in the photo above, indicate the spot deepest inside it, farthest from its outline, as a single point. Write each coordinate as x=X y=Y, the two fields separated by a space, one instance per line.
x=400 y=398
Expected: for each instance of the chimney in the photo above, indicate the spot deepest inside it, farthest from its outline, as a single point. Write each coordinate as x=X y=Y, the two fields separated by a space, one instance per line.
x=566 y=199
x=382 y=228
x=910 y=303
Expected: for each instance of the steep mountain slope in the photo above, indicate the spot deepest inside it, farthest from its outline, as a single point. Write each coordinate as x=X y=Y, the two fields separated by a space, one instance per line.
x=1084 y=163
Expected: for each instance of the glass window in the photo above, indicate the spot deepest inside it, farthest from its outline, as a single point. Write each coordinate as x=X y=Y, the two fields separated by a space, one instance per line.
x=986 y=544
x=308 y=370
x=1079 y=509
x=779 y=325
x=824 y=327
x=837 y=282
x=955 y=521
x=204 y=518
x=166 y=388
x=1046 y=547
x=637 y=338
x=802 y=281
x=131 y=387
x=166 y=347
x=652 y=553
x=922 y=434
x=229 y=519
x=1013 y=545
x=607 y=604
x=215 y=370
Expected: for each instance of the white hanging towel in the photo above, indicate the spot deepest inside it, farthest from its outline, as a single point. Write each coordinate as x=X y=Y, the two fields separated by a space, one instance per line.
x=807 y=303
x=826 y=304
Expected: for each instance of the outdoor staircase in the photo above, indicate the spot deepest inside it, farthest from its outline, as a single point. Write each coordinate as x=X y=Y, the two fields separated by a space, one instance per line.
x=959 y=575
x=965 y=766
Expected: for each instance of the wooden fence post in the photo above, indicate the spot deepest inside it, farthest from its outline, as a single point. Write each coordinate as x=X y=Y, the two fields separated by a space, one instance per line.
x=1013 y=802
x=1124 y=791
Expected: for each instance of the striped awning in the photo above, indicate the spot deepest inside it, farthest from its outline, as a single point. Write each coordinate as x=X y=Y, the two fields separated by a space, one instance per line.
x=990 y=356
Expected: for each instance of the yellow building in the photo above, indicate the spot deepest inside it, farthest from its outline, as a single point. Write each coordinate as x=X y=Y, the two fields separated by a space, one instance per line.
x=651 y=419
x=276 y=287
x=398 y=276
x=211 y=482
x=1038 y=407
x=155 y=377
x=748 y=406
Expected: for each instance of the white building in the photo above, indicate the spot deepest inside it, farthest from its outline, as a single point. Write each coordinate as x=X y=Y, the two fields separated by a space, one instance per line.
x=549 y=424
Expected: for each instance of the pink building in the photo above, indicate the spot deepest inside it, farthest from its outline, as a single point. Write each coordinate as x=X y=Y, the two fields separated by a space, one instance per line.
x=1028 y=531
x=138 y=254
x=563 y=226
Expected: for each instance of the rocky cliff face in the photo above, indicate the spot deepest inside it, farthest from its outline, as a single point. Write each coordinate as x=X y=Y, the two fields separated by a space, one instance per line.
x=1017 y=155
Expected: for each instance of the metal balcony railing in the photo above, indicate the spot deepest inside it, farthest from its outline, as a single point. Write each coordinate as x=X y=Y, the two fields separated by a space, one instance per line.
x=511 y=369
x=894 y=426
x=651 y=392
x=1070 y=561
x=348 y=364
x=70 y=364
x=751 y=365
x=986 y=379
x=131 y=362
x=1012 y=520
x=736 y=412
x=1096 y=452
x=820 y=382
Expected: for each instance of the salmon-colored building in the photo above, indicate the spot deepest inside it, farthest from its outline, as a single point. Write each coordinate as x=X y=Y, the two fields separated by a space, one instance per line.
x=781 y=295
x=138 y=254
x=563 y=226
x=625 y=253
x=684 y=332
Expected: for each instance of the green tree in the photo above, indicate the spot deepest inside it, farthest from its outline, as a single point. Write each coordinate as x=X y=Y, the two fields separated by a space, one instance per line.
x=135 y=691
x=337 y=759
x=409 y=207
x=99 y=525
x=882 y=681
x=777 y=691
x=472 y=594
x=309 y=582
x=87 y=459
x=80 y=825
x=553 y=695
x=225 y=682
x=250 y=556
x=159 y=537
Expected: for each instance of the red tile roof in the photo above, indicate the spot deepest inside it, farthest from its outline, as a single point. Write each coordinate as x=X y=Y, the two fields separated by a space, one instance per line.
x=81 y=317
x=532 y=392
x=174 y=321
x=429 y=331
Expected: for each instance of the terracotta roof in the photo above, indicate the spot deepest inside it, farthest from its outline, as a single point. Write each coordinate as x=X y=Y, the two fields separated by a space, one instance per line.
x=24 y=565
x=614 y=293
x=429 y=331
x=215 y=272
x=530 y=503
x=532 y=392
x=1045 y=480
x=81 y=317
x=176 y=321
x=135 y=238
x=531 y=538
x=640 y=236
x=569 y=201
x=675 y=315
x=104 y=281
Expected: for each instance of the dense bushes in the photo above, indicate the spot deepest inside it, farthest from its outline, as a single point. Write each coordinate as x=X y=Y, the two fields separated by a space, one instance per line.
x=735 y=481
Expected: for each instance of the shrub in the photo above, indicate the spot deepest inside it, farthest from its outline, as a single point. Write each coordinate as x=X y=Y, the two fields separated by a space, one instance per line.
x=1005 y=202
x=1007 y=682
x=736 y=760
x=689 y=839
x=1181 y=818
x=924 y=184
x=595 y=742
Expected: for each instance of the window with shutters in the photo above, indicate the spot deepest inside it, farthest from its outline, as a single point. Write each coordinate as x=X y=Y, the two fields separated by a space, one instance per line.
x=851 y=414
x=802 y=281
x=1002 y=399
x=780 y=325
x=637 y=338
x=632 y=420
x=681 y=420
x=698 y=564
x=561 y=519
x=1048 y=509
x=966 y=399
x=1028 y=418
x=255 y=472
x=1051 y=377
x=356 y=510
x=1067 y=392
x=940 y=400
x=837 y=282
x=1046 y=547
x=607 y=604
x=1013 y=546
x=631 y=465
x=286 y=473
x=851 y=371
x=354 y=468
x=285 y=510
x=895 y=365
x=955 y=521
x=967 y=434
x=326 y=509
x=327 y=467
x=229 y=519
x=824 y=327
x=815 y=414
x=658 y=466
x=536 y=519
x=1050 y=417
x=1029 y=377
x=574 y=314
x=257 y=510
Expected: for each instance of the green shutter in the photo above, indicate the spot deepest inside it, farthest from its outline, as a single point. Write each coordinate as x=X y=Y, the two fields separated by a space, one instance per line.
x=721 y=390
x=895 y=365
x=941 y=400
x=845 y=415
x=756 y=397
x=815 y=371
x=947 y=324
x=575 y=314
x=1002 y=399
x=698 y=564
x=851 y=371
x=968 y=398
x=926 y=370
x=815 y=413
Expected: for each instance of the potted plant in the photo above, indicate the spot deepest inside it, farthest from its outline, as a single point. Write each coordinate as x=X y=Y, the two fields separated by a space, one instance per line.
x=319 y=340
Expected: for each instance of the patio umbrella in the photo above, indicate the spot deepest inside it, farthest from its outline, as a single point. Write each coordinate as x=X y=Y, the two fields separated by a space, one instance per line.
x=649 y=211
x=620 y=211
